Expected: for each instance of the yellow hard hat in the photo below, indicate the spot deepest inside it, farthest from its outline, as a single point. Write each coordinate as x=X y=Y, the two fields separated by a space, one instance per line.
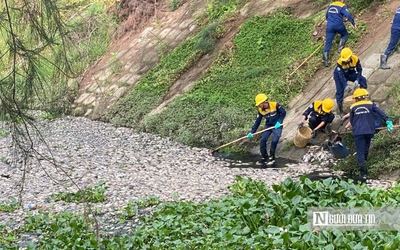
x=360 y=93
x=260 y=98
x=345 y=54
x=327 y=105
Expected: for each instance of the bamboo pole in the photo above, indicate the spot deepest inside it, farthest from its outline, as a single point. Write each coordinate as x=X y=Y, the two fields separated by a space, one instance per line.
x=301 y=64
x=244 y=137
x=350 y=131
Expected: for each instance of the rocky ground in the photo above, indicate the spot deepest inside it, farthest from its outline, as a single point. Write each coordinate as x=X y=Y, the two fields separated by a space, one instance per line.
x=133 y=165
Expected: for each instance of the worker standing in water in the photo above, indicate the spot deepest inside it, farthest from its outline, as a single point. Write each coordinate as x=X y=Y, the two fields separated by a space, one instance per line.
x=274 y=114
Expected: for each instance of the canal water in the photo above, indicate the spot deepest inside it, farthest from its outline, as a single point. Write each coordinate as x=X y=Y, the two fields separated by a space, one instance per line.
x=250 y=161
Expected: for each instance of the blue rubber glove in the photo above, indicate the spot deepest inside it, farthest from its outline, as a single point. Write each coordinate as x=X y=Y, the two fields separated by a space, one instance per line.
x=389 y=125
x=356 y=82
x=249 y=135
x=277 y=125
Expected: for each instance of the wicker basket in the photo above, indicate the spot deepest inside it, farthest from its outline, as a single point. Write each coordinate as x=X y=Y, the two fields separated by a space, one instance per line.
x=302 y=137
x=347 y=102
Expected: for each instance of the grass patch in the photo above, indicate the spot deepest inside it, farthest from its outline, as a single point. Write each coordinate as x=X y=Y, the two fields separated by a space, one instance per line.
x=9 y=206
x=220 y=107
x=90 y=194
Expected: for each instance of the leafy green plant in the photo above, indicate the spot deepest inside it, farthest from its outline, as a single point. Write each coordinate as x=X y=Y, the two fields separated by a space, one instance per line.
x=3 y=132
x=7 y=236
x=174 y=4
x=219 y=9
x=49 y=115
x=9 y=206
x=133 y=206
x=253 y=216
x=208 y=39
x=61 y=231
x=89 y=194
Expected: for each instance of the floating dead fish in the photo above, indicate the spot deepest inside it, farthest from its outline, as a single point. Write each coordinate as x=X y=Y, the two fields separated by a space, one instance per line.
x=319 y=155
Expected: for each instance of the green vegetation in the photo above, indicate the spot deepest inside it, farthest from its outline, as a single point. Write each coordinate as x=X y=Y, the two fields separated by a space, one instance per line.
x=134 y=206
x=354 y=6
x=265 y=54
x=61 y=231
x=219 y=108
x=174 y=4
x=252 y=217
x=221 y=101
x=89 y=194
x=9 y=206
x=43 y=45
x=154 y=85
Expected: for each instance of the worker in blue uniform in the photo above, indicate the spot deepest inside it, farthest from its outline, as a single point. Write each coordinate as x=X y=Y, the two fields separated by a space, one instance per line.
x=379 y=122
x=362 y=121
x=394 y=39
x=319 y=115
x=274 y=114
x=335 y=13
x=348 y=68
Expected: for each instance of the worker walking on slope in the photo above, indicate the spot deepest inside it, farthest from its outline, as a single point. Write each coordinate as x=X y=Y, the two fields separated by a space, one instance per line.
x=348 y=68
x=362 y=121
x=394 y=39
x=335 y=13
x=319 y=115
x=274 y=114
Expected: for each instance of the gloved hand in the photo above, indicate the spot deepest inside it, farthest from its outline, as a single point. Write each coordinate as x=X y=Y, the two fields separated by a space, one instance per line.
x=389 y=125
x=277 y=125
x=348 y=89
x=356 y=83
x=301 y=124
x=314 y=133
x=250 y=135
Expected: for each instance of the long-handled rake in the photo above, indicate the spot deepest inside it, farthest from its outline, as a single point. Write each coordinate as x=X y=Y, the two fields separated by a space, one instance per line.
x=241 y=138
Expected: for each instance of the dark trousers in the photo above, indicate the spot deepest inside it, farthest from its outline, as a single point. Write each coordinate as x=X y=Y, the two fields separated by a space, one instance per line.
x=330 y=33
x=394 y=39
x=277 y=133
x=362 y=143
x=314 y=121
x=341 y=86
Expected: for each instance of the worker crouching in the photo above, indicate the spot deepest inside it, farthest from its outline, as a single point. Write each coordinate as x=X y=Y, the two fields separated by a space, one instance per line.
x=348 y=68
x=319 y=115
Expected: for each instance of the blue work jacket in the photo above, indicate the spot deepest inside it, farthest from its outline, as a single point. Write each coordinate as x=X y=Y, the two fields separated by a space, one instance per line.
x=315 y=110
x=335 y=13
x=343 y=71
x=362 y=117
x=275 y=113
x=396 y=20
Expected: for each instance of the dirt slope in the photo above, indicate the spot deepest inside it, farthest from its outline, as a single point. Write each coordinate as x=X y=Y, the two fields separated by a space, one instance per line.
x=137 y=50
